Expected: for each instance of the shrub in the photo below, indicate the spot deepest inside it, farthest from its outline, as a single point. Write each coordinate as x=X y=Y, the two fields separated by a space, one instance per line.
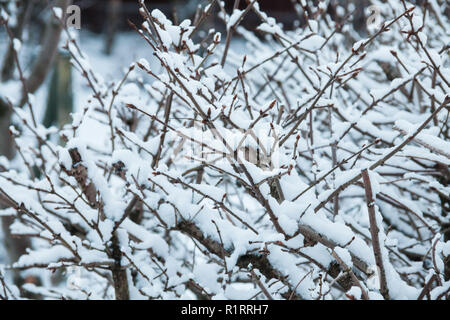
x=304 y=167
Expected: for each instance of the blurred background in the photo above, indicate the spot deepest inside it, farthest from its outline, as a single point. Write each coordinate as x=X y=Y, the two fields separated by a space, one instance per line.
x=111 y=44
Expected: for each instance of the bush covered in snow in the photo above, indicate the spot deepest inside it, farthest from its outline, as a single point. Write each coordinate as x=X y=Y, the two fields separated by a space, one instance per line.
x=312 y=164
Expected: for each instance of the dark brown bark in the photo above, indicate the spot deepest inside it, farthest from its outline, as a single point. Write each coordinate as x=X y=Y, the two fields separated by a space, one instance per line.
x=15 y=247
x=257 y=260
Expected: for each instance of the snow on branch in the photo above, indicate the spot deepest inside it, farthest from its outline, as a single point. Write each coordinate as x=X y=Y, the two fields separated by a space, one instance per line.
x=314 y=165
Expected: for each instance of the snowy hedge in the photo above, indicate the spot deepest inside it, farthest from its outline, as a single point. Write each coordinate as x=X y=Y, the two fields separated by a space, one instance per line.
x=310 y=164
